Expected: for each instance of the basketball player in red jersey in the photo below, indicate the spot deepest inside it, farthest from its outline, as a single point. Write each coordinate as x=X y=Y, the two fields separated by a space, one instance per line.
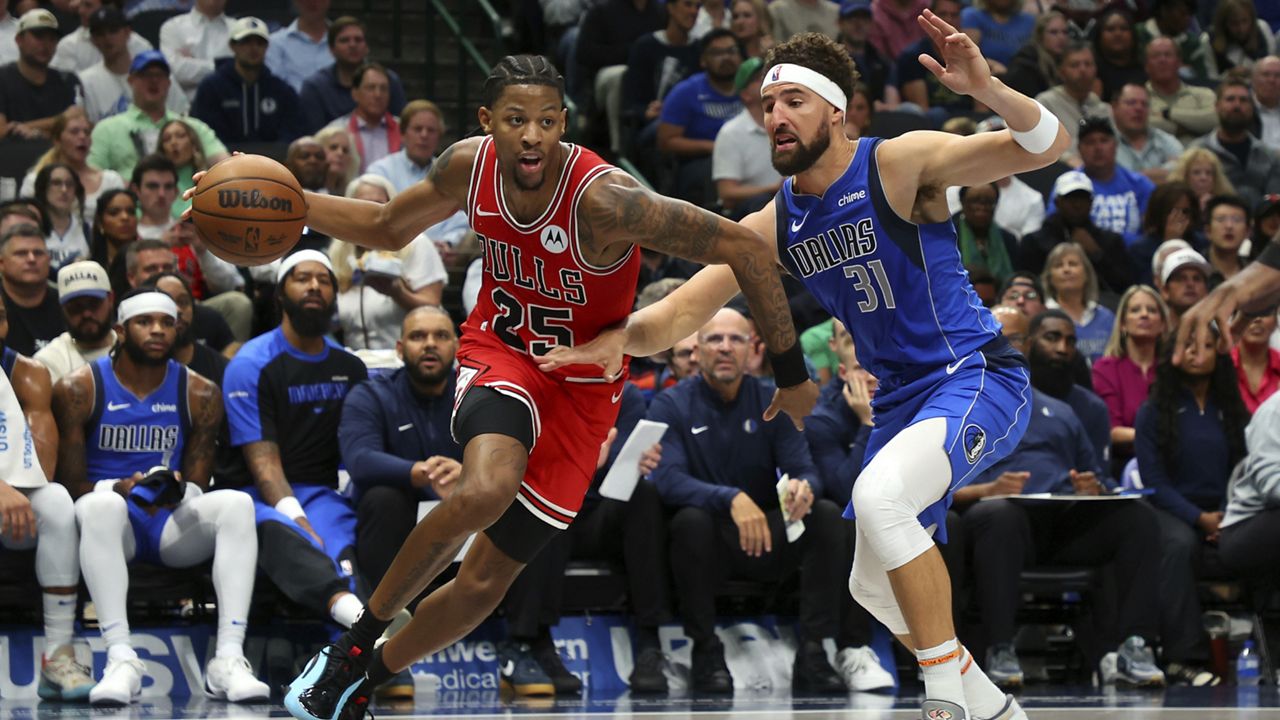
x=559 y=228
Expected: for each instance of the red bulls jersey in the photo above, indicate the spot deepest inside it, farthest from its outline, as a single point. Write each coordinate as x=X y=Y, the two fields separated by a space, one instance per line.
x=538 y=290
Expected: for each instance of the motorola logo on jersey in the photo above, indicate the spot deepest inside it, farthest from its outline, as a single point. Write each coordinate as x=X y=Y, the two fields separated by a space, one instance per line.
x=507 y=262
x=554 y=239
x=138 y=438
x=834 y=247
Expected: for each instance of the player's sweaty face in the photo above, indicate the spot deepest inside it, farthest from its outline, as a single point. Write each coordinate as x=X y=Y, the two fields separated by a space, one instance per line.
x=527 y=122
x=794 y=117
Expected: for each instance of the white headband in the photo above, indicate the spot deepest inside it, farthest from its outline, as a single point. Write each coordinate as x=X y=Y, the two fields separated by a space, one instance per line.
x=815 y=81
x=148 y=302
x=300 y=257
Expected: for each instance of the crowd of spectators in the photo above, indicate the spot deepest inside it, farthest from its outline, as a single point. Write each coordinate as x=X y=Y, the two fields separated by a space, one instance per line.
x=1171 y=187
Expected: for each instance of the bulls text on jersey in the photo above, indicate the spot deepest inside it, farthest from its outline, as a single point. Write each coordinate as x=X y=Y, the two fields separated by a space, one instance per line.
x=506 y=262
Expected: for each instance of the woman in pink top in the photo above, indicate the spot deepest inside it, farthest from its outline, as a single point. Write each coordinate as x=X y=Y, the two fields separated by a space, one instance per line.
x=1257 y=364
x=1123 y=375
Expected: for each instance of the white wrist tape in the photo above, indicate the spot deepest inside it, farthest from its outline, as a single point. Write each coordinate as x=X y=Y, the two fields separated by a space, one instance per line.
x=1041 y=137
x=291 y=508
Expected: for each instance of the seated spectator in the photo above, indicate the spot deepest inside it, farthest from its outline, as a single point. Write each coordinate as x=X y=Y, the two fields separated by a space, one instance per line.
x=1006 y=536
x=214 y=282
x=1075 y=100
x=328 y=93
x=752 y=24
x=1071 y=221
x=155 y=182
x=819 y=351
x=1019 y=210
x=1266 y=223
x=40 y=515
x=1173 y=213
x=1143 y=148
x=181 y=146
x=1122 y=377
x=1053 y=358
x=1247 y=542
x=1023 y=291
x=21 y=211
x=61 y=195
x=656 y=62
x=857 y=114
x=115 y=227
x=1119 y=195
x=421 y=127
x=373 y=299
x=837 y=433
x=143 y=260
x=1002 y=28
x=342 y=160
x=306 y=159
x=916 y=85
x=118 y=141
x=740 y=159
x=32 y=94
x=283 y=394
x=1201 y=170
x=89 y=308
x=982 y=242
x=1247 y=163
x=106 y=82
x=1072 y=286
x=71 y=148
x=1237 y=39
x=375 y=131
x=874 y=69
x=1266 y=100
x=792 y=17
x=1184 y=281
x=194 y=41
x=1116 y=49
x=166 y=522
x=223 y=98
x=299 y=48
x=1257 y=363
x=1034 y=68
x=1185 y=111
x=694 y=112
x=35 y=318
x=607 y=31
x=1174 y=20
x=1190 y=434
x=1227 y=228
x=728 y=513
x=76 y=51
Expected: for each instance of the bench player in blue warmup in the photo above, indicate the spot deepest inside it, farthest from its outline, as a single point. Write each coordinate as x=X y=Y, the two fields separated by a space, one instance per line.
x=864 y=224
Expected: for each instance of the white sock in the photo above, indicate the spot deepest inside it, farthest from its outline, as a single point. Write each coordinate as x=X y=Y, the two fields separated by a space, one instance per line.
x=346 y=610
x=941 y=668
x=59 y=621
x=121 y=651
x=984 y=698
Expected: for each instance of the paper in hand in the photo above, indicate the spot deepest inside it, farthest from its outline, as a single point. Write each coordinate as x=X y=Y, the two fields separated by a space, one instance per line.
x=623 y=475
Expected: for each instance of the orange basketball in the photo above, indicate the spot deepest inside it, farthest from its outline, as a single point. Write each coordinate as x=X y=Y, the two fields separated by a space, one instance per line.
x=249 y=210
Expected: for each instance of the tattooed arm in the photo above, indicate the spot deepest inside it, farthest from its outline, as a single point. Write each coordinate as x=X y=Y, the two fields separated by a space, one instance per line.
x=205 y=401
x=72 y=406
x=34 y=389
x=263 y=459
x=395 y=224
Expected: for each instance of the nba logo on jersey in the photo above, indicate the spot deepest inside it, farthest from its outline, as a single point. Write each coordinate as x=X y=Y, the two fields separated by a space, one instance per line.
x=555 y=239
x=975 y=438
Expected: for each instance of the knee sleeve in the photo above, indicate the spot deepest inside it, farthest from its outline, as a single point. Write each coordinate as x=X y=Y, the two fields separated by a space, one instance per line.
x=876 y=595
x=233 y=511
x=57 y=564
x=101 y=516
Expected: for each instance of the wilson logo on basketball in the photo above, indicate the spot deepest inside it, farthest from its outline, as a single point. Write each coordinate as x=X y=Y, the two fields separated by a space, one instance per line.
x=253 y=199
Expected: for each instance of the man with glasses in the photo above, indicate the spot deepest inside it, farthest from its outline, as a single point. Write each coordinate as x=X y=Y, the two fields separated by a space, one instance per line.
x=719 y=472
x=1227 y=227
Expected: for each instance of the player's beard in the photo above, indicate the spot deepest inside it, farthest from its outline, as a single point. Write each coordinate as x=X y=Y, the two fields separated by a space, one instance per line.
x=308 y=322
x=803 y=156
x=140 y=357
x=1049 y=375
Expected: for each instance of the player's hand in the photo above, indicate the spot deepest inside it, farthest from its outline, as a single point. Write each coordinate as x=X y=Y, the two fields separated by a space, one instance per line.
x=17 y=520
x=966 y=71
x=124 y=486
x=1221 y=306
x=1009 y=483
x=1211 y=524
x=651 y=459
x=753 y=526
x=799 y=499
x=1086 y=483
x=604 y=351
x=604 y=447
x=195 y=184
x=858 y=399
x=305 y=524
x=796 y=401
x=442 y=474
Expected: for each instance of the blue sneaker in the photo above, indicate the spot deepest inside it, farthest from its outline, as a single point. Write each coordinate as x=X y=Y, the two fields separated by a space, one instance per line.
x=329 y=682
x=520 y=673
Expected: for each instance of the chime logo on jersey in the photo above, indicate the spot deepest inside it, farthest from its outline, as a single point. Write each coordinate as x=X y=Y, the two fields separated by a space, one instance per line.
x=554 y=239
x=138 y=438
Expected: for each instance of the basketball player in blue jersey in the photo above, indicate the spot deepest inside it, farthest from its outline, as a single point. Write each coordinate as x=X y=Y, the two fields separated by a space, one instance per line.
x=136 y=412
x=864 y=224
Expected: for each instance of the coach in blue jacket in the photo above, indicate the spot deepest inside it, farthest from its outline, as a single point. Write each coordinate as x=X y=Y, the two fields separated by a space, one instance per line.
x=241 y=100
x=396 y=442
x=720 y=464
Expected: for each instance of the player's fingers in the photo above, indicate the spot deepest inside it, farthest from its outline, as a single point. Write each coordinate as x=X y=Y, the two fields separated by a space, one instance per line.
x=1226 y=337
x=766 y=536
x=28 y=522
x=931 y=65
x=771 y=412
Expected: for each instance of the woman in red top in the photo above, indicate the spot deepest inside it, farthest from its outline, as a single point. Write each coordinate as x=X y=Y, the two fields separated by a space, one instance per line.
x=1257 y=364
x=1123 y=375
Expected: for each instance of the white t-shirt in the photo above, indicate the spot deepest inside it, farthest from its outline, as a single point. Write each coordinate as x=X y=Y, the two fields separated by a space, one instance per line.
x=111 y=180
x=69 y=247
x=62 y=356
x=371 y=320
x=8 y=44
x=107 y=94
x=76 y=51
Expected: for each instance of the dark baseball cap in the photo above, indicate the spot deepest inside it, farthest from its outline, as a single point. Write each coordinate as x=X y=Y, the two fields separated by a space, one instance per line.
x=106 y=19
x=146 y=59
x=1091 y=125
x=853 y=7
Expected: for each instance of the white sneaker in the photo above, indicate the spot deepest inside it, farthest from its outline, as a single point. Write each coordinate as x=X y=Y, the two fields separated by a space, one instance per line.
x=121 y=683
x=232 y=678
x=860 y=668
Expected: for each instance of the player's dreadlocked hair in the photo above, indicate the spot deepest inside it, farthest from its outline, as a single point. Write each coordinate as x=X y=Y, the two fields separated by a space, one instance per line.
x=521 y=70
x=820 y=54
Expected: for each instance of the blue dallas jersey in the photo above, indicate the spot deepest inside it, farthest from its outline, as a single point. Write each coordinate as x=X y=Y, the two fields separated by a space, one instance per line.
x=899 y=288
x=127 y=434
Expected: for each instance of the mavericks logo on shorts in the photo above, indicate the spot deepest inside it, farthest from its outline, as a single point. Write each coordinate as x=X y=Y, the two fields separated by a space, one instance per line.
x=975 y=439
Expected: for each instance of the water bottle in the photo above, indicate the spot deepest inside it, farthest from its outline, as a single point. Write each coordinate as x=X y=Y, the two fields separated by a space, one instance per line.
x=1247 y=665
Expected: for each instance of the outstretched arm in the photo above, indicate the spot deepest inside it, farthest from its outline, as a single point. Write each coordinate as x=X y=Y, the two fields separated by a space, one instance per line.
x=1253 y=290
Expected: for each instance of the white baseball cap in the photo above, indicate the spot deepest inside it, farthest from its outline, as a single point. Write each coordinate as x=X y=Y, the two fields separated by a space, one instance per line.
x=249 y=27
x=1179 y=259
x=82 y=278
x=1073 y=181
x=37 y=19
